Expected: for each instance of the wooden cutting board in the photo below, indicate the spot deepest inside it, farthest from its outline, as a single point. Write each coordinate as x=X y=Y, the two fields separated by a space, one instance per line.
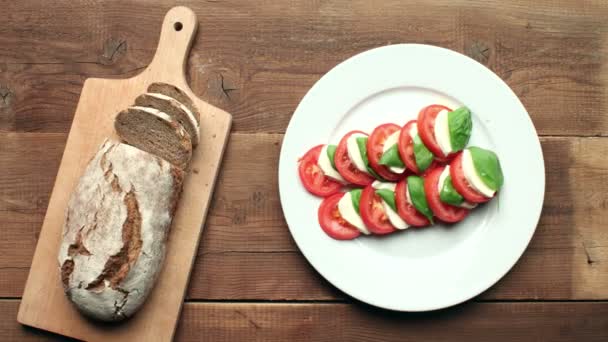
x=44 y=304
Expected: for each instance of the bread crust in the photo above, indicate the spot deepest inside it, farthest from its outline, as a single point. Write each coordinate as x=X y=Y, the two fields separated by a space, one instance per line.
x=115 y=230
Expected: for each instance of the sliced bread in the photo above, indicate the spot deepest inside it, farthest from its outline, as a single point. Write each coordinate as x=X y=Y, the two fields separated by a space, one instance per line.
x=178 y=94
x=156 y=132
x=176 y=109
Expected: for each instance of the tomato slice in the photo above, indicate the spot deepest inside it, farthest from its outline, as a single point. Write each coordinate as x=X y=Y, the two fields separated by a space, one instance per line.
x=406 y=147
x=345 y=166
x=372 y=212
x=426 y=129
x=443 y=211
x=332 y=222
x=462 y=185
x=406 y=210
x=313 y=178
x=375 y=144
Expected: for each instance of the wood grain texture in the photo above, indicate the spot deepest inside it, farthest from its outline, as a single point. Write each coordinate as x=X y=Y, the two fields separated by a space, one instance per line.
x=44 y=304
x=257 y=61
x=247 y=252
x=341 y=322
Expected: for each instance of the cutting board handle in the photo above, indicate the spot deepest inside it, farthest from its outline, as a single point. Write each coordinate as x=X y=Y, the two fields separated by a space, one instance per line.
x=177 y=33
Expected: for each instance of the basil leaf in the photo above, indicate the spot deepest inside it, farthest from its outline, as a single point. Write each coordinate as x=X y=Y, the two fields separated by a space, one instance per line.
x=423 y=156
x=415 y=185
x=331 y=152
x=448 y=194
x=391 y=157
x=388 y=196
x=460 y=125
x=355 y=196
x=487 y=166
x=362 y=143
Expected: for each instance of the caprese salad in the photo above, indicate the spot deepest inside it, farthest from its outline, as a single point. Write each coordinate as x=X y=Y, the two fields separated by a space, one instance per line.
x=400 y=177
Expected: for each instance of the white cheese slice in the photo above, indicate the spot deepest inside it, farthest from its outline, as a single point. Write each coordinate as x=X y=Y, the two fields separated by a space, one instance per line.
x=471 y=175
x=390 y=141
x=442 y=132
x=353 y=152
x=325 y=165
x=350 y=215
x=393 y=216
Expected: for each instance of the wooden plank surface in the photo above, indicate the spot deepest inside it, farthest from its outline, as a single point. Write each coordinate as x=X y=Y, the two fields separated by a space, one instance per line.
x=267 y=322
x=247 y=252
x=257 y=61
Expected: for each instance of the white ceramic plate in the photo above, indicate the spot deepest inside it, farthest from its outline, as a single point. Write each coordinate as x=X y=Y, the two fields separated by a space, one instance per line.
x=429 y=268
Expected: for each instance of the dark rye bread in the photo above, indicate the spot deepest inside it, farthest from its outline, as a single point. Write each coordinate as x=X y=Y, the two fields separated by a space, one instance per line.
x=178 y=94
x=115 y=231
x=153 y=131
x=176 y=109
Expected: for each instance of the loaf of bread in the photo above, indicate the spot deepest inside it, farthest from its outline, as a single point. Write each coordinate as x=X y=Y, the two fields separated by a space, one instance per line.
x=156 y=132
x=116 y=225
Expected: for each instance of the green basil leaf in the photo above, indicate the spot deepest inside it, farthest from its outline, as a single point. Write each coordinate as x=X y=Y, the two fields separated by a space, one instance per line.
x=487 y=166
x=355 y=196
x=391 y=157
x=423 y=156
x=331 y=152
x=460 y=125
x=388 y=196
x=415 y=185
x=362 y=143
x=448 y=194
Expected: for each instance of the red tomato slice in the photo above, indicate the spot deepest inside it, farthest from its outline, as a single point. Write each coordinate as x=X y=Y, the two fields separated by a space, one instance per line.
x=332 y=222
x=313 y=178
x=345 y=166
x=443 y=211
x=406 y=149
x=372 y=212
x=462 y=185
x=426 y=129
x=406 y=210
x=375 y=143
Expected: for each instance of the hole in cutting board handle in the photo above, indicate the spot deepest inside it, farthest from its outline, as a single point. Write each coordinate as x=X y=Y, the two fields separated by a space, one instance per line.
x=178 y=26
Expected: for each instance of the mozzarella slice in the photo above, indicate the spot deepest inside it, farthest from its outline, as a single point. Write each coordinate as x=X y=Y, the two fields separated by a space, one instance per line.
x=325 y=165
x=393 y=217
x=467 y=205
x=407 y=195
x=442 y=132
x=390 y=141
x=384 y=185
x=414 y=130
x=442 y=177
x=349 y=214
x=353 y=152
x=472 y=177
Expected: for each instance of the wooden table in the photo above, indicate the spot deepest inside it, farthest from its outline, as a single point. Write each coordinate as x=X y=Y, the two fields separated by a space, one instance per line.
x=257 y=60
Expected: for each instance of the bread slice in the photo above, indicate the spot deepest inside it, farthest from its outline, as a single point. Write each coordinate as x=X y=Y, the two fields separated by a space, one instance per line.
x=179 y=95
x=176 y=109
x=156 y=132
